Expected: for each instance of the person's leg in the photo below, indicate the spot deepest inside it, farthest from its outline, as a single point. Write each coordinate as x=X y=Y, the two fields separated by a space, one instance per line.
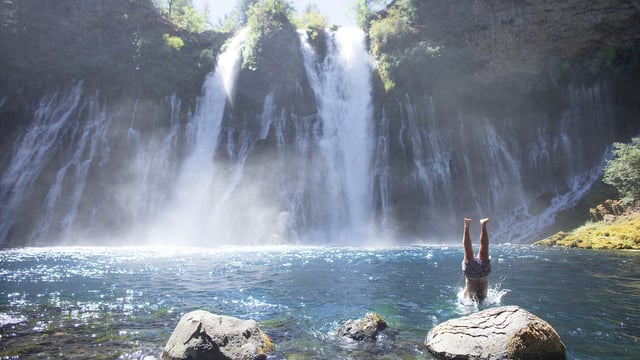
x=483 y=253
x=468 y=248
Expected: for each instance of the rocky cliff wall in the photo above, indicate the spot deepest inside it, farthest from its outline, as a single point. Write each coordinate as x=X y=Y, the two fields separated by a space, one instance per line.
x=509 y=104
x=501 y=109
x=522 y=36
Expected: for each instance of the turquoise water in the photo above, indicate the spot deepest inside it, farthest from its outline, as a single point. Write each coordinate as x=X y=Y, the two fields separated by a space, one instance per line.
x=124 y=302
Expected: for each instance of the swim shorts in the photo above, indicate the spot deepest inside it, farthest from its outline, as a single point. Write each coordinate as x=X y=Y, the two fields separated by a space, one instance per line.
x=477 y=268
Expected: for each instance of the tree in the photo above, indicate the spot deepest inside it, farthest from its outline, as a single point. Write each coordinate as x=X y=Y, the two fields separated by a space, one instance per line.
x=623 y=171
x=237 y=18
x=183 y=14
x=385 y=34
x=264 y=18
x=313 y=18
x=189 y=19
x=364 y=11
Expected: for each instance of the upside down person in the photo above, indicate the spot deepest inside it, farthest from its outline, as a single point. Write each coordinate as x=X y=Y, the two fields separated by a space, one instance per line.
x=476 y=269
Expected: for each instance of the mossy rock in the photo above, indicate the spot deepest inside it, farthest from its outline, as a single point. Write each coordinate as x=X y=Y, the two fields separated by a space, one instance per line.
x=621 y=235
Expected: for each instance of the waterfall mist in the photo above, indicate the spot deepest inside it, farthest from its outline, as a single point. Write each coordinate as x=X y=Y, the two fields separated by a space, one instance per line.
x=193 y=213
x=311 y=155
x=342 y=86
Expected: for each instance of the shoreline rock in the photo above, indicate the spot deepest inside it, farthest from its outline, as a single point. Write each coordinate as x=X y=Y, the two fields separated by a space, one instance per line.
x=507 y=332
x=202 y=335
x=366 y=328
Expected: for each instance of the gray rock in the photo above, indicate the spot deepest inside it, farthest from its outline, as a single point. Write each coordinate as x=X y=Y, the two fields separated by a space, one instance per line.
x=203 y=335
x=366 y=328
x=507 y=332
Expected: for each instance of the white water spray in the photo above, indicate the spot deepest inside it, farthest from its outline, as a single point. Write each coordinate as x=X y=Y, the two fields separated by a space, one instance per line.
x=342 y=86
x=34 y=151
x=188 y=217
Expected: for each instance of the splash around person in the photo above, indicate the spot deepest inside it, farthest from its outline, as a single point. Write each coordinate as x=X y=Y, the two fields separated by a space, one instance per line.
x=476 y=269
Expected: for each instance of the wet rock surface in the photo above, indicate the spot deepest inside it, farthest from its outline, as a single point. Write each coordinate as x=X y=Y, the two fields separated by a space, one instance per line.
x=203 y=335
x=507 y=332
x=366 y=328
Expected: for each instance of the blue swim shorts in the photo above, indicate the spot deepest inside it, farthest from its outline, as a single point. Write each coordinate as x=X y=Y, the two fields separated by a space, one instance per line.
x=477 y=268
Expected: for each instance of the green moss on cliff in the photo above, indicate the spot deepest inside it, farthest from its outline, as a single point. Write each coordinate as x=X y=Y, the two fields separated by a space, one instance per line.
x=272 y=59
x=123 y=47
x=624 y=233
x=267 y=19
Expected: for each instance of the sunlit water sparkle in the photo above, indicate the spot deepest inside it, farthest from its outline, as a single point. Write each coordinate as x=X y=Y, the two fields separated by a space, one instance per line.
x=125 y=302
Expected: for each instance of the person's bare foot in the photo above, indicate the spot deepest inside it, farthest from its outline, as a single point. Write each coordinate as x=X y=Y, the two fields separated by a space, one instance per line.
x=483 y=222
x=467 y=221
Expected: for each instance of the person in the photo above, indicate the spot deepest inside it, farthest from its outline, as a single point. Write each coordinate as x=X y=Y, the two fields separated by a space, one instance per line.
x=476 y=269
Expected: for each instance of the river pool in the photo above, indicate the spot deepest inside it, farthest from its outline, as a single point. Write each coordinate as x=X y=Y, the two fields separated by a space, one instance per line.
x=124 y=302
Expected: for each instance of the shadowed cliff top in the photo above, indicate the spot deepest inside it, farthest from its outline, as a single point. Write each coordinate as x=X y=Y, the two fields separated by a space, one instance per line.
x=521 y=36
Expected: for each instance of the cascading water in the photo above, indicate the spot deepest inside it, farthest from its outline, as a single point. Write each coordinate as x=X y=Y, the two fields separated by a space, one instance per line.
x=54 y=121
x=342 y=86
x=584 y=135
x=331 y=171
x=191 y=215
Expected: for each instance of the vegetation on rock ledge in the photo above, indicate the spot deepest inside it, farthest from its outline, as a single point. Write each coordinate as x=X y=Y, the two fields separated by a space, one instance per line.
x=624 y=233
x=620 y=227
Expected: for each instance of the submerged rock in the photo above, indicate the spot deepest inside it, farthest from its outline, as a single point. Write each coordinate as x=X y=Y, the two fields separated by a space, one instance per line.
x=203 y=335
x=366 y=328
x=507 y=332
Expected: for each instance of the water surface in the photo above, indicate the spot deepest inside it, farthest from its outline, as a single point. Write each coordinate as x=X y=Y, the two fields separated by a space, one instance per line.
x=125 y=302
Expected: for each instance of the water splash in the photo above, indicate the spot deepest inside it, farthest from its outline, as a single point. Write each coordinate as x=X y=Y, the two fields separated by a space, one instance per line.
x=467 y=305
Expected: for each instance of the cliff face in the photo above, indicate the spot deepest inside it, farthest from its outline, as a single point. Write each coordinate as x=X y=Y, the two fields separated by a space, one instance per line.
x=521 y=37
x=499 y=109
x=502 y=108
x=118 y=49
x=84 y=86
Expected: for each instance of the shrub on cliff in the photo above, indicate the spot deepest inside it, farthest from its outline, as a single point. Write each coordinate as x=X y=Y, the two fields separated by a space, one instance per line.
x=623 y=171
x=264 y=19
x=315 y=24
x=184 y=15
x=387 y=36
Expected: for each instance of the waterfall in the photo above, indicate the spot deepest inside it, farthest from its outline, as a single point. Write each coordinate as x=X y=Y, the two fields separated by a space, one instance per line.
x=151 y=164
x=53 y=122
x=342 y=86
x=189 y=216
x=317 y=165
x=583 y=136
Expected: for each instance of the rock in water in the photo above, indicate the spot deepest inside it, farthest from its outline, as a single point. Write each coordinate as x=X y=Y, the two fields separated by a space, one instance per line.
x=203 y=335
x=366 y=328
x=507 y=332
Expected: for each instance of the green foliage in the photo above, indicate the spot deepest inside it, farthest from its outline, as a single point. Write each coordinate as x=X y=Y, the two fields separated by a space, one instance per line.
x=313 y=20
x=173 y=42
x=189 y=19
x=365 y=10
x=623 y=171
x=591 y=67
x=265 y=19
x=387 y=35
x=361 y=12
x=621 y=234
x=237 y=18
x=398 y=23
x=184 y=15
x=315 y=24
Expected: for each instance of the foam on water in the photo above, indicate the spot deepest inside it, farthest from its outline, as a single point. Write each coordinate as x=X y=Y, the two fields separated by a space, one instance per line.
x=467 y=305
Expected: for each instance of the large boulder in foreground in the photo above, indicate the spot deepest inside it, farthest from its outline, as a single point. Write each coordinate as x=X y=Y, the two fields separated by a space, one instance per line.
x=507 y=332
x=203 y=335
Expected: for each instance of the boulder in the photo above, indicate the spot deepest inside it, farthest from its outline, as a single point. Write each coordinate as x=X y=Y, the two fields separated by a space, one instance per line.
x=366 y=328
x=203 y=335
x=507 y=332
